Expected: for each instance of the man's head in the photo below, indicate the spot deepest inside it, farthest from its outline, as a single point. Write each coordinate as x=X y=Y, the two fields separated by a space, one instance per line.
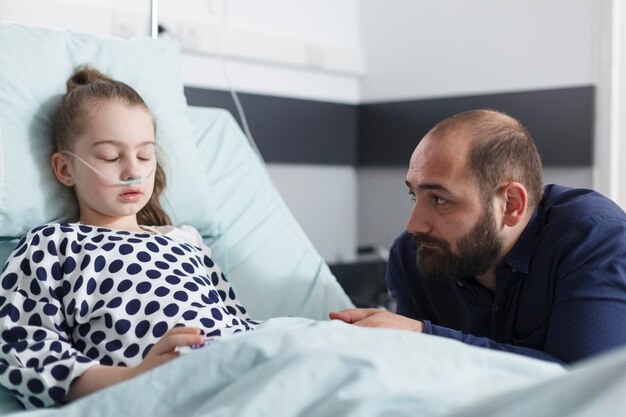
x=476 y=178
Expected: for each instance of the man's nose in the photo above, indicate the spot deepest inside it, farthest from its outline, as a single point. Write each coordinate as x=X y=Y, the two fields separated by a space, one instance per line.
x=418 y=221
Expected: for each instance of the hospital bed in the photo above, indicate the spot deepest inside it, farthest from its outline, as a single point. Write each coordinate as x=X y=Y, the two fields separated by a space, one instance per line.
x=297 y=363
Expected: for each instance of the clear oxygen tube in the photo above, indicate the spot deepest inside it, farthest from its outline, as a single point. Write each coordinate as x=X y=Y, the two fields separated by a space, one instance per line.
x=126 y=182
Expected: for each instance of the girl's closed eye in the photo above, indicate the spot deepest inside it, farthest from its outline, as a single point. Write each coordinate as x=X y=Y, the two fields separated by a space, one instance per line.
x=109 y=158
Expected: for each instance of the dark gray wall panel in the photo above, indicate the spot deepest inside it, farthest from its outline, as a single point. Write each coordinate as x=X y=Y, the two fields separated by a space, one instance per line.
x=292 y=130
x=560 y=120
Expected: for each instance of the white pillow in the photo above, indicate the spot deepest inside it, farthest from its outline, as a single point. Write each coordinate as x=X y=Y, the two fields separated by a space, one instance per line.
x=35 y=63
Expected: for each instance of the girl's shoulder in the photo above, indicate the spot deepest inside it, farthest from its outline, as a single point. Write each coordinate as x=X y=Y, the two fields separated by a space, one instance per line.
x=45 y=240
x=52 y=229
x=185 y=233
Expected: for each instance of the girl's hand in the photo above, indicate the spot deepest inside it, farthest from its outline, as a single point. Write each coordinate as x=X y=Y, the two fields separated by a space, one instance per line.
x=165 y=349
x=102 y=376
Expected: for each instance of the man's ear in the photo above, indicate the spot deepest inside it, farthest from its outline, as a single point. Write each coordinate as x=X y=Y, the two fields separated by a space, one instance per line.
x=516 y=203
x=61 y=168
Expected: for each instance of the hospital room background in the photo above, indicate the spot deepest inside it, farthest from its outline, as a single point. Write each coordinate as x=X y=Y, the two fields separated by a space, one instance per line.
x=336 y=94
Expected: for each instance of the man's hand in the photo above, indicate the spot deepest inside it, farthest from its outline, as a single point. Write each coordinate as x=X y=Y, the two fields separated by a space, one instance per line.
x=371 y=317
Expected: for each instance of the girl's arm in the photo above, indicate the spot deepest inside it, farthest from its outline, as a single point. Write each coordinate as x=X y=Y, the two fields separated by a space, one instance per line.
x=98 y=377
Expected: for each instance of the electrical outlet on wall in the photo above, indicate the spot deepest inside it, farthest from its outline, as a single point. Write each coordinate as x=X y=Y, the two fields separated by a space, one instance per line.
x=189 y=35
x=315 y=56
x=218 y=10
x=127 y=25
x=196 y=36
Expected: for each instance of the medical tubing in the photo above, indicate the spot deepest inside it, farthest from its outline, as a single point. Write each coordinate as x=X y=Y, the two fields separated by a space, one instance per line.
x=231 y=89
x=130 y=181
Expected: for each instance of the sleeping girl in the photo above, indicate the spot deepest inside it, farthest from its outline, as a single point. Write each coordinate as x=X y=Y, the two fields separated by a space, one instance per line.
x=96 y=301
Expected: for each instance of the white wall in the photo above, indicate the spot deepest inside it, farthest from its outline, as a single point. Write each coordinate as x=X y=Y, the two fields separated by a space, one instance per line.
x=384 y=205
x=606 y=146
x=294 y=48
x=423 y=49
x=285 y=48
x=618 y=127
x=325 y=197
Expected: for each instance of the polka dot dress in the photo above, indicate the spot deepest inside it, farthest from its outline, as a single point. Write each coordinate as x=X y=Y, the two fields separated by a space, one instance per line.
x=72 y=296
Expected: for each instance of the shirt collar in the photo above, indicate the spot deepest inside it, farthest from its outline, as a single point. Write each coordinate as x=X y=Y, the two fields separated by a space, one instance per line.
x=519 y=256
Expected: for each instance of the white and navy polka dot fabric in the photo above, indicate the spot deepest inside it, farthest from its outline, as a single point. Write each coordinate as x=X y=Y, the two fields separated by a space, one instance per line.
x=73 y=295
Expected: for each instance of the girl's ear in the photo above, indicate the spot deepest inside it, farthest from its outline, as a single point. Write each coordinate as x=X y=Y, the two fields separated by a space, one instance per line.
x=62 y=169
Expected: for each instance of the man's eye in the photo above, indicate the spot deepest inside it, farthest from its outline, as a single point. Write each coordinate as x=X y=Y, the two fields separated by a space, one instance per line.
x=110 y=158
x=439 y=201
x=412 y=194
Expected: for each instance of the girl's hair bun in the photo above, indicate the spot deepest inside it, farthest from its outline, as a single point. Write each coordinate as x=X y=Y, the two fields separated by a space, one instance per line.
x=85 y=75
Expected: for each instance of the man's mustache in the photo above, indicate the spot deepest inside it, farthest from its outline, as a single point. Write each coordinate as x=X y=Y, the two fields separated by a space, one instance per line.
x=421 y=238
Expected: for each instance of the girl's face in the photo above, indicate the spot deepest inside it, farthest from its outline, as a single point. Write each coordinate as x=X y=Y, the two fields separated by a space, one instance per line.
x=118 y=140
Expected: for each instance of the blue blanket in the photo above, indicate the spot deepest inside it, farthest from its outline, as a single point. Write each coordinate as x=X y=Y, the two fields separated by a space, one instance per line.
x=293 y=367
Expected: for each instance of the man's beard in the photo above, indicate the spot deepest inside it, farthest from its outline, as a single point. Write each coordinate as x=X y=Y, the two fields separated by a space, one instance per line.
x=478 y=250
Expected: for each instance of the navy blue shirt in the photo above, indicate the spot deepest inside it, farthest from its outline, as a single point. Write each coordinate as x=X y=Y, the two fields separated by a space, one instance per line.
x=560 y=292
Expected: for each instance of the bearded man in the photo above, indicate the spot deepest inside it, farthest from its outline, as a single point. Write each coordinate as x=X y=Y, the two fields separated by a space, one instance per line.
x=494 y=259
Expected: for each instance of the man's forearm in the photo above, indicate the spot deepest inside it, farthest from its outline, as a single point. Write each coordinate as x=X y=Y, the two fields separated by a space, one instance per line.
x=485 y=342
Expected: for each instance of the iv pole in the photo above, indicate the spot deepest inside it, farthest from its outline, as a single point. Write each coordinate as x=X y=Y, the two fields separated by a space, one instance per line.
x=154 y=18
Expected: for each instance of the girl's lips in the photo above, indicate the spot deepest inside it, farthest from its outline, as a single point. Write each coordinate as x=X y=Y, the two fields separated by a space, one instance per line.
x=131 y=195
